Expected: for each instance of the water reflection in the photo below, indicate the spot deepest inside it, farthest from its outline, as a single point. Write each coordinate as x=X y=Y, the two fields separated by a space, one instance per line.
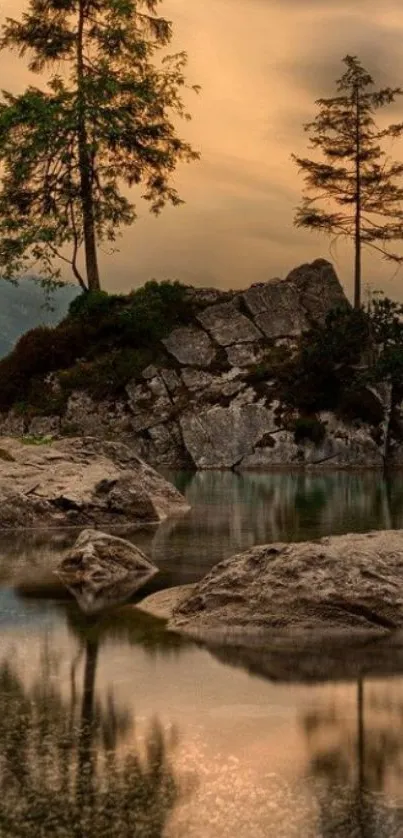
x=311 y=748
x=351 y=760
x=229 y=513
x=61 y=773
x=234 y=512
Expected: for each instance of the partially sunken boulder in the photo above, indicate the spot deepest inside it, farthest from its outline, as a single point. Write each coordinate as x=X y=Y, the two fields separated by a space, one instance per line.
x=79 y=482
x=350 y=583
x=102 y=570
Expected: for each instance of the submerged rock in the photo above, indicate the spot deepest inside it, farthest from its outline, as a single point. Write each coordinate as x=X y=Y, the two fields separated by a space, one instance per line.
x=349 y=583
x=102 y=570
x=78 y=482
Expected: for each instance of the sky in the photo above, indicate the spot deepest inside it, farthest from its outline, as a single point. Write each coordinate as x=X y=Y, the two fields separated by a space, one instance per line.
x=261 y=65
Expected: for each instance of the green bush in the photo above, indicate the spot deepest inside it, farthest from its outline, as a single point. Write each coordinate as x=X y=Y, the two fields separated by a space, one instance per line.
x=326 y=361
x=37 y=353
x=107 y=376
x=360 y=403
x=152 y=312
x=102 y=343
x=309 y=428
x=270 y=366
x=94 y=305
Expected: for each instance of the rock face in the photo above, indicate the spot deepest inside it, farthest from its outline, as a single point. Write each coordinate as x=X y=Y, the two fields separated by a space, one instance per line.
x=102 y=569
x=76 y=482
x=205 y=404
x=350 y=583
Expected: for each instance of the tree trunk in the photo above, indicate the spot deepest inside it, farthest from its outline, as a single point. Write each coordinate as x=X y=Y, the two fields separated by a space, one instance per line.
x=85 y=764
x=357 y=232
x=85 y=167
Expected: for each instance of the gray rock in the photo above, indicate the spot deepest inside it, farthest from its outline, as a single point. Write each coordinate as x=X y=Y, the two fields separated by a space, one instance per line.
x=195 y=379
x=82 y=481
x=282 y=451
x=102 y=570
x=283 y=308
x=171 y=380
x=41 y=426
x=191 y=346
x=220 y=437
x=150 y=372
x=88 y=417
x=349 y=583
x=318 y=288
x=11 y=424
x=148 y=408
x=202 y=297
x=245 y=354
x=275 y=309
x=227 y=325
x=345 y=445
x=213 y=387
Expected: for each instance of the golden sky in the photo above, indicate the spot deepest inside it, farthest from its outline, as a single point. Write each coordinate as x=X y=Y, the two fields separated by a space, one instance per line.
x=261 y=65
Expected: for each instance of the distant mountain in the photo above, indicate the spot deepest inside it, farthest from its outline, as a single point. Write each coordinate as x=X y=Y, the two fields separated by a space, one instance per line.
x=22 y=307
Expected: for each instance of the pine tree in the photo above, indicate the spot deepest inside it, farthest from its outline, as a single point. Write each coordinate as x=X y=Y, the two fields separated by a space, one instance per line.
x=104 y=120
x=359 y=181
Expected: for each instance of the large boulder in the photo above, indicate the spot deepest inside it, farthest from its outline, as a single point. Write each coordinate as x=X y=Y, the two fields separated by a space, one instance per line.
x=80 y=482
x=102 y=570
x=220 y=437
x=227 y=325
x=191 y=346
x=349 y=584
x=283 y=308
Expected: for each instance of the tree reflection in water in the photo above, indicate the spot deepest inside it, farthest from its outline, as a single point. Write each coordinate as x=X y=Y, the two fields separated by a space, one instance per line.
x=350 y=773
x=61 y=775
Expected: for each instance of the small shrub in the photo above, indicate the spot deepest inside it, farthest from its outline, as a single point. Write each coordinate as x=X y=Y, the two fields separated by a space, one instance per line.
x=30 y=439
x=326 y=361
x=270 y=366
x=360 y=403
x=94 y=305
x=153 y=311
x=107 y=376
x=309 y=428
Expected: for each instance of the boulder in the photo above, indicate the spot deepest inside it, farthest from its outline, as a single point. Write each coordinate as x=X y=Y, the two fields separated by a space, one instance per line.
x=349 y=584
x=84 y=481
x=318 y=289
x=103 y=570
x=227 y=325
x=275 y=308
x=283 y=308
x=220 y=437
x=245 y=354
x=191 y=346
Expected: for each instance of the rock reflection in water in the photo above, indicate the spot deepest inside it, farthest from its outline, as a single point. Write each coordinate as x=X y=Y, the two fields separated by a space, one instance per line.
x=234 y=512
x=61 y=773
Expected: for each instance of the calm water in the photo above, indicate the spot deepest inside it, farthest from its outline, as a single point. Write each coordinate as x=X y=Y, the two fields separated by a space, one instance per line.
x=111 y=726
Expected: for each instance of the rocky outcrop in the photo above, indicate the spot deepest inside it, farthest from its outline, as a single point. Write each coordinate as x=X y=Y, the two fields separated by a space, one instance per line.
x=339 y=584
x=103 y=569
x=80 y=482
x=212 y=400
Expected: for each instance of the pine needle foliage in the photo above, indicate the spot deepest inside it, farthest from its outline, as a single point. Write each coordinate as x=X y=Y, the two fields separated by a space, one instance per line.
x=105 y=119
x=361 y=184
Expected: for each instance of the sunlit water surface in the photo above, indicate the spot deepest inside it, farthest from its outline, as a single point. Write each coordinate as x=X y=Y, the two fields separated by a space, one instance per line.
x=111 y=726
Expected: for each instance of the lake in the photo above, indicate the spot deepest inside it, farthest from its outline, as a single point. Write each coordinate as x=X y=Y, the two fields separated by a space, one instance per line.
x=112 y=726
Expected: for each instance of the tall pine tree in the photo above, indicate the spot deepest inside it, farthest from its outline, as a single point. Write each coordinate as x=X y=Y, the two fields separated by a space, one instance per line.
x=104 y=120
x=356 y=178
